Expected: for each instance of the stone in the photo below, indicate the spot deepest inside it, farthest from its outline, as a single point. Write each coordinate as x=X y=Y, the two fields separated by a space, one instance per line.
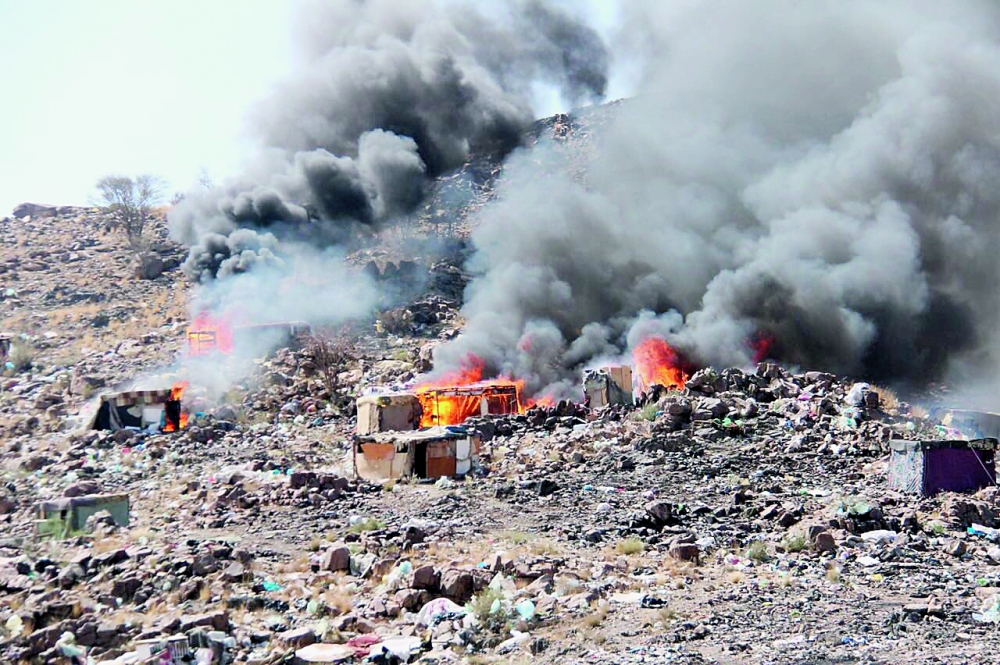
x=426 y=577
x=545 y=487
x=336 y=558
x=411 y=599
x=216 y=620
x=661 y=511
x=823 y=541
x=100 y=519
x=457 y=584
x=70 y=575
x=147 y=265
x=956 y=548
x=82 y=488
x=234 y=572
x=125 y=587
x=204 y=564
x=297 y=638
x=685 y=552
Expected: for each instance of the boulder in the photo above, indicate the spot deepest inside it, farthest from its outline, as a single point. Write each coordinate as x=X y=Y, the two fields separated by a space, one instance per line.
x=148 y=265
x=457 y=585
x=336 y=558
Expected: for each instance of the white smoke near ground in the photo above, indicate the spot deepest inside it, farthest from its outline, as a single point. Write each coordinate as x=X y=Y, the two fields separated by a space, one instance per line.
x=819 y=171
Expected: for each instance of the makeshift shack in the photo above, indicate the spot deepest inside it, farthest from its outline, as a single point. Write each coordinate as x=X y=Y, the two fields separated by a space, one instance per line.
x=452 y=405
x=608 y=386
x=928 y=467
x=388 y=413
x=72 y=512
x=207 y=336
x=137 y=408
x=426 y=453
x=972 y=424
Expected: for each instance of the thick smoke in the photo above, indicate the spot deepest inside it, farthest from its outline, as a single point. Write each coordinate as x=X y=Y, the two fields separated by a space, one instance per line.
x=388 y=96
x=821 y=171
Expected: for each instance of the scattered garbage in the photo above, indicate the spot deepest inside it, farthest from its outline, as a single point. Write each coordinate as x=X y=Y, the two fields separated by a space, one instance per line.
x=402 y=648
x=990 y=611
x=525 y=609
x=437 y=608
x=984 y=531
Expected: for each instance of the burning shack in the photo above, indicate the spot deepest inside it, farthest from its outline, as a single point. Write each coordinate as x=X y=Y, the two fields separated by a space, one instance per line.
x=455 y=404
x=427 y=453
x=417 y=433
x=140 y=409
x=208 y=335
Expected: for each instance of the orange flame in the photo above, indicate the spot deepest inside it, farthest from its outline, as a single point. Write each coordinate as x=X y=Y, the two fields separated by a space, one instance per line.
x=761 y=342
x=658 y=363
x=176 y=394
x=455 y=396
x=543 y=402
x=208 y=334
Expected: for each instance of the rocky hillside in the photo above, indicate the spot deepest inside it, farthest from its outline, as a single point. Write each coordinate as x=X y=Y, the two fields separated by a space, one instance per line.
x=745 y=518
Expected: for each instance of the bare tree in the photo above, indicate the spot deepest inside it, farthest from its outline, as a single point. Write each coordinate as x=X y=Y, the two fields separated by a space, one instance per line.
x=331 y=354
x=204 y=179
x=129 y=202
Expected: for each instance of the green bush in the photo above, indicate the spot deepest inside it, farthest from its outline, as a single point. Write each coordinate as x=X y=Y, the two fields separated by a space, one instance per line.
x=648 y=412
x=367 y=524
x=796 y=543
x=757 y=551
x=22 y=356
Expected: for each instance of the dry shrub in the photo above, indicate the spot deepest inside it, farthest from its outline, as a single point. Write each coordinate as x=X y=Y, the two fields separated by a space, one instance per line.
x=887 y=398
x=630 y=546
x=338 y=600
x=331 y=353
x=597 y=617
x=736 y=577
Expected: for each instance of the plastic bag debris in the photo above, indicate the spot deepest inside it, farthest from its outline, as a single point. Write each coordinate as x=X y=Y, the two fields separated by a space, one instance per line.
x=14 y=625
x=856 y=394
x=984 y=531
x=990 y=612
x=437 y=608
x=399 y=647
x=68 y=646
x=517 y=640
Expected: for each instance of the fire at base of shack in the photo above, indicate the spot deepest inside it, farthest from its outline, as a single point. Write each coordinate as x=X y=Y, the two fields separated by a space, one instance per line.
x=428 y=453
x=208 y=336
x=140 y=410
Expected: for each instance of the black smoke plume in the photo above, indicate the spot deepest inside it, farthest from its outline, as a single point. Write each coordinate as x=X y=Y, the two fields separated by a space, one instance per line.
x=824 y=172
x=390 y=95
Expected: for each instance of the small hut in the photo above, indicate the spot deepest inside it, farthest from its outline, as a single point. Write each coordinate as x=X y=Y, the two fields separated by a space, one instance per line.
x=388 y=413
x=428 y=453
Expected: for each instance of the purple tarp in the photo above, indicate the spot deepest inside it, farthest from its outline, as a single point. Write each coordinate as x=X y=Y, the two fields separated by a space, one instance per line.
x=928 y=467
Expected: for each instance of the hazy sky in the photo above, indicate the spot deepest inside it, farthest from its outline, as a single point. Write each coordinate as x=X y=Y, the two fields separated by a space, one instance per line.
x=96 y=87
x=117 y=86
